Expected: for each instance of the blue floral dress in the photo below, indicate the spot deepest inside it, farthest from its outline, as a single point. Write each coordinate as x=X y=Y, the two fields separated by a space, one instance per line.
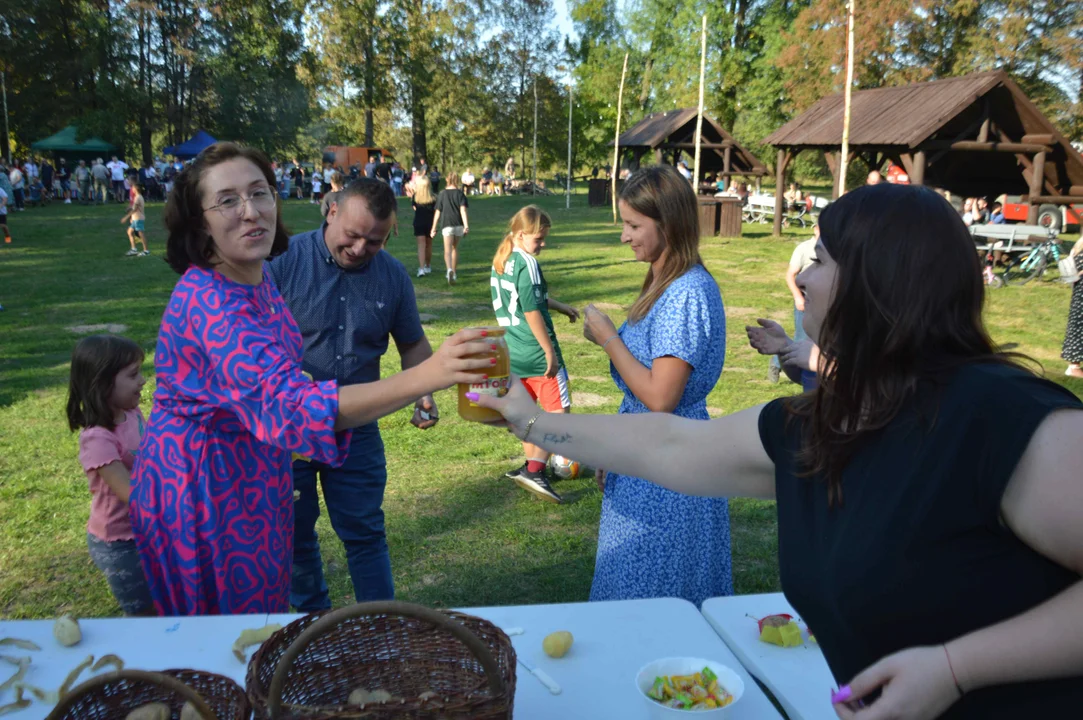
x=654 y=542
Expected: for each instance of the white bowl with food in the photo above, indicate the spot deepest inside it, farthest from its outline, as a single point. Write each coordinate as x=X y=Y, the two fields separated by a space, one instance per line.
x=677 y=686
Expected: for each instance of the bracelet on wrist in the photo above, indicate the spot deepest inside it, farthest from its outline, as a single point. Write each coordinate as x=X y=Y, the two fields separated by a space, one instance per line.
x=530 y=424
x=953 y=678
x=609 y=341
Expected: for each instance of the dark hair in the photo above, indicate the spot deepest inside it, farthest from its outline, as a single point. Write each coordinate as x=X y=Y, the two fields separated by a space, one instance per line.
x=95 y=362
x=188 y=242
x=907 y=309
x=379 y=198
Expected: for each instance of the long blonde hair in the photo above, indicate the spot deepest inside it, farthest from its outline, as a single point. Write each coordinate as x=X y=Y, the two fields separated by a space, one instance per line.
x=530 y=220
x=663 y=195
x=423 y=191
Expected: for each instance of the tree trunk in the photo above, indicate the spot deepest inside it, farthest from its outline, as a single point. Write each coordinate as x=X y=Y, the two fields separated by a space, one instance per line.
x=144 y=96
x=645 y=84
x=417 y=125
x=370 y=90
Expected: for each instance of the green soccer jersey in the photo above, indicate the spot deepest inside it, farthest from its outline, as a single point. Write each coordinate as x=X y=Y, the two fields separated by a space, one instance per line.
x=519 y=289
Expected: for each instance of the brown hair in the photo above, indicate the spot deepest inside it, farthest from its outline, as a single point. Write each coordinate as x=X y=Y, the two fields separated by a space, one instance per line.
x=530 y=220
x=95 y=362
x=188 y=242
x=907 y=309
x=662 y=194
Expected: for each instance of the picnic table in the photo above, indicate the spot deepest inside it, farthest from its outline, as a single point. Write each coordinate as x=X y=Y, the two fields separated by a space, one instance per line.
x=613 y=640
x=760 y=208
x=1009 y=238
x=798 y=677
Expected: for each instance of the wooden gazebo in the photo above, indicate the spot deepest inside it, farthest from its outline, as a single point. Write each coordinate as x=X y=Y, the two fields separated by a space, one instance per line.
x=668 y=134
x=975 y=135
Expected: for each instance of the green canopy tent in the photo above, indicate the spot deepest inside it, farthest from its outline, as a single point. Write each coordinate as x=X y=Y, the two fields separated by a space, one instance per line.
x=64 y=145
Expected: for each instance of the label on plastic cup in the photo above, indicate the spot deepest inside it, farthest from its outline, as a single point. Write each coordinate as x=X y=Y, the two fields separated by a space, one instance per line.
x=493 y=387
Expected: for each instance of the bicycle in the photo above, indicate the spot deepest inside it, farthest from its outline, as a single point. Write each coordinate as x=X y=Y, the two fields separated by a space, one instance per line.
x=1033 y=264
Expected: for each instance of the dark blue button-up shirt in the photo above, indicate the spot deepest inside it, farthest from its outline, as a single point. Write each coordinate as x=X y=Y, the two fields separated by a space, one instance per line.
x=345 y=316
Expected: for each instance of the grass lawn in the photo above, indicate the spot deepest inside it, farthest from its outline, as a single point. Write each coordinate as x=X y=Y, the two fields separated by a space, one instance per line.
x=459 y=533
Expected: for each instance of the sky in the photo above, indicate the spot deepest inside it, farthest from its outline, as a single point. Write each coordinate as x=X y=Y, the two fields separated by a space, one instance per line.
x=564 y=19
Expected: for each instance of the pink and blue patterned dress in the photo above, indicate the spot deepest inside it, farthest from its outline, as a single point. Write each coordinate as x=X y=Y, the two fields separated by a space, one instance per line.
x=212 y=492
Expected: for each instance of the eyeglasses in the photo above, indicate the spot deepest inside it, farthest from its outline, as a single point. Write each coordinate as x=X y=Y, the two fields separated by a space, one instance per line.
x=232 y=206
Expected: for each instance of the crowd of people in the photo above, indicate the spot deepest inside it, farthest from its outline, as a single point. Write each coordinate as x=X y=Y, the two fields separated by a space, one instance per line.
x=268 y=383
x=35 y=181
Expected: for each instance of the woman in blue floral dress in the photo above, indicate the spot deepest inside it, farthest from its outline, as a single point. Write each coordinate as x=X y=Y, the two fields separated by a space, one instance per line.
x=654 y=542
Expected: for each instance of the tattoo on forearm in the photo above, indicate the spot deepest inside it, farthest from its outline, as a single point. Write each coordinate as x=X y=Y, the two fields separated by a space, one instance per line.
x=551 y=438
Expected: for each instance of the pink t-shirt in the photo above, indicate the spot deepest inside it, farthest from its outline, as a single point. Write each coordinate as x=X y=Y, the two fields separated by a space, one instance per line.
x=97 y=448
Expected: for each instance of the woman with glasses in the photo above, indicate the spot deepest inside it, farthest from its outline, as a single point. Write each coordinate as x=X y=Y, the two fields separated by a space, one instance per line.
x=212 y=494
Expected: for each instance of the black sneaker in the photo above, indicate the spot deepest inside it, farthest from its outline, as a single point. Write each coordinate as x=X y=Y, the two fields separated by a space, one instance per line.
x=514 y=474
x=537 y=484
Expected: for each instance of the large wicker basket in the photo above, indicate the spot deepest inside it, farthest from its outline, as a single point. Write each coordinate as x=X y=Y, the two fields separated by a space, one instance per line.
x=434 y=664
x=113 y=695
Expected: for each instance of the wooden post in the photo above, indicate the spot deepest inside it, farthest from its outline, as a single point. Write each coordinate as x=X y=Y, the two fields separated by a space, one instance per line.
x=699 y=112
x=917 y=175
x=1037 y=175
x=846 y=96
x=780 y=181
x=727 y=163
x=616 y=138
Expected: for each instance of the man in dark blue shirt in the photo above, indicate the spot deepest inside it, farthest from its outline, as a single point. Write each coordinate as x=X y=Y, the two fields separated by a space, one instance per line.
x=348 y=298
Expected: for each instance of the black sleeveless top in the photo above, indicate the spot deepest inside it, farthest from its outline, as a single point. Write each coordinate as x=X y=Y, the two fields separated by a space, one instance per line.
x=917 y=554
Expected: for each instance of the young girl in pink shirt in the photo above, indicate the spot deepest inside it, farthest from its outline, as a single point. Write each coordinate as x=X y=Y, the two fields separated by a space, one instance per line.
x=103 y=400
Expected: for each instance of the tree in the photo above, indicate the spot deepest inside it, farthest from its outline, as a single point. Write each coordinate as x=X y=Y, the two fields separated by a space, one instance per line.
x=354 y=41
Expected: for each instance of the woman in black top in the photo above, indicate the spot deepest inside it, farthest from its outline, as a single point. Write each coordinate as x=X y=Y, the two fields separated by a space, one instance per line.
x=424 y=205
x=929 y=491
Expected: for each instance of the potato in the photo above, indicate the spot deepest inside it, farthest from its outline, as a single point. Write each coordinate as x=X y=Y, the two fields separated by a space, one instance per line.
x=361 y=696
x=150 y=711
x=66 y=631
x=557 y=645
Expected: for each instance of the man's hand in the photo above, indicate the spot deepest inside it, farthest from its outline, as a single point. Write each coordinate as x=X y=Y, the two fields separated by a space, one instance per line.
x=769 y=338
x=571 y=312
x=425 y=414
x=803 y=354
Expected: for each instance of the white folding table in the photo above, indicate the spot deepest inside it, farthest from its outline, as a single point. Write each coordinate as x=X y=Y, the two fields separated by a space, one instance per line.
x=798 y=677
x=613 y=640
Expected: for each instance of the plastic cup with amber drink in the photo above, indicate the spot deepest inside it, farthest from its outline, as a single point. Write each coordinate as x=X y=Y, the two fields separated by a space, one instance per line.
x=494 y=381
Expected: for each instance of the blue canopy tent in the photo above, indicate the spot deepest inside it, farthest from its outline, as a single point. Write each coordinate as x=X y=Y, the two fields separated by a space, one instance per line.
x=191 y=147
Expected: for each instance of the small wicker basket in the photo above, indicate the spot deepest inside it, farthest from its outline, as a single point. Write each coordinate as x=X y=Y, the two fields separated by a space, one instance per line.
x=113 y=695
x=434 y=664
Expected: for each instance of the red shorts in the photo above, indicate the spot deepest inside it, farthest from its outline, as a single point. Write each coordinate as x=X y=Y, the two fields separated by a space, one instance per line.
x=551 y=393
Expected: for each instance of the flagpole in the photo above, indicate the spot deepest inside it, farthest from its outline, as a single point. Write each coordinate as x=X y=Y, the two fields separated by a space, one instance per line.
x=846 y=96
x=699 y=113
x=616 y=139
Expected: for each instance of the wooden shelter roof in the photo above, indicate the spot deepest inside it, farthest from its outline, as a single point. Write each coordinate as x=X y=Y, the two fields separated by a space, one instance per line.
x=941 y=118
x=676 y=130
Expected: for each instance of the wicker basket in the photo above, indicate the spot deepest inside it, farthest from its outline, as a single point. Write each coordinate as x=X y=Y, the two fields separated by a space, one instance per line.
x=309 y=668
x=113 y=695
